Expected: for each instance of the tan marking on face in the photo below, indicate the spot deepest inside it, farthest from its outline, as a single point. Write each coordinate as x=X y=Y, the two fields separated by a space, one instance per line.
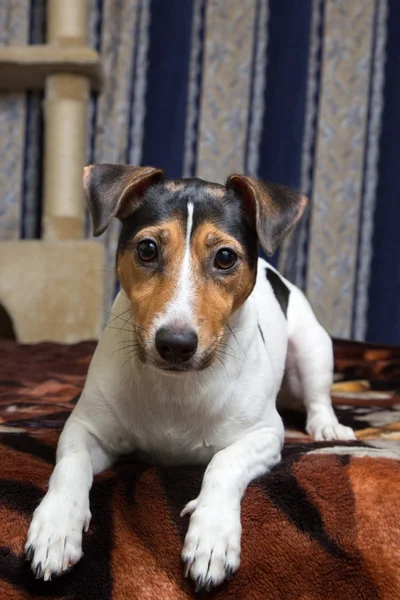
x=216 y=191
x=150 y=291
x=217 y=296
x=173 y=186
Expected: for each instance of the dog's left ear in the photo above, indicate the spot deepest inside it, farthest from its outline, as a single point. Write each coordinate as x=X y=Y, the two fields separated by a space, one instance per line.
x=273 y=208
x=115 y=191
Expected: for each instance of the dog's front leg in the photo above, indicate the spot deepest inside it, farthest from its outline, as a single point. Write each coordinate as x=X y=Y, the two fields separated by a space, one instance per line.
x=211 y=551
x=55 y=534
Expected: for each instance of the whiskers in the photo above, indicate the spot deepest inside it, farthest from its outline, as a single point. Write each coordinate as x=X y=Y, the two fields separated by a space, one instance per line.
x=129 y=346
x=221 y=352
x=221 y=361
x=234 y=335
x=126 y=348
x=131 y=355
x=233 y=331
x=126 y=341
x=128 y=324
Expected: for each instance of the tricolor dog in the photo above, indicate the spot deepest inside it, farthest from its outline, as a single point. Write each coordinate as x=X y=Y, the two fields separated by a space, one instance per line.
x=203 y=337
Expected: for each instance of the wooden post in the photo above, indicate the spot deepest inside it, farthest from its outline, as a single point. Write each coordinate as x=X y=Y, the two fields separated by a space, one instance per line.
x=65 y=113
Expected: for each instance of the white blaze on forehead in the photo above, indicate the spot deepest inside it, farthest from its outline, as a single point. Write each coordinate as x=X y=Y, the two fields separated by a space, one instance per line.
x=189 y=227
x=185 y=287
x=179 y=310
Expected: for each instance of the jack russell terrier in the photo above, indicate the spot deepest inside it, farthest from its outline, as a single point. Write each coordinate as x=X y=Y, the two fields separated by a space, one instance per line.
x=203 y=337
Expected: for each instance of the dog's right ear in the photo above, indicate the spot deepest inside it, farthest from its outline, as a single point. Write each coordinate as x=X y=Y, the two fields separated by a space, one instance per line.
x=115 y=191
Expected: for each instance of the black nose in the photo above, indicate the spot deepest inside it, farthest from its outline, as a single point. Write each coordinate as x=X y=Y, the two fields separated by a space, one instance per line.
x=176 y=345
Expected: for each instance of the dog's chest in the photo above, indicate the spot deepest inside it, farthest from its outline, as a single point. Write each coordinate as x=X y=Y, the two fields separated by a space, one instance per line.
x=178 y=435
x=170 y=431
x=169 y=446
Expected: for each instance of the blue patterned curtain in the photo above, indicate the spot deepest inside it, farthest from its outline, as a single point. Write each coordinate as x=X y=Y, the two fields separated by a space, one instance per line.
x=303 y=93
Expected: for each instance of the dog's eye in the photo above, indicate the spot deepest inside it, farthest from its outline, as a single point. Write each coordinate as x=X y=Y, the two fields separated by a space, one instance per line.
x=147 y=250
x=225 y=259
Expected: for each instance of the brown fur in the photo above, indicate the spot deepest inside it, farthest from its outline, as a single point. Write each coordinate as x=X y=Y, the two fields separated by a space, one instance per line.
x=217 y=296
x=118 y=190
x=174 y=186
x=150 y=294
x=294 y=519
x=216 y=191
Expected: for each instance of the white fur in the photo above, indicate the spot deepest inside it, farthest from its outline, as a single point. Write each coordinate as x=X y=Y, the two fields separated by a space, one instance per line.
x=179 y=309
x=225 y=417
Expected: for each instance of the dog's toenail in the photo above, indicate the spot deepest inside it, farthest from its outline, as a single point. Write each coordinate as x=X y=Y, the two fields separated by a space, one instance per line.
x=199 y=583
x=209 y=585
x=29 y=553
x=39 y=571
x=186 y=567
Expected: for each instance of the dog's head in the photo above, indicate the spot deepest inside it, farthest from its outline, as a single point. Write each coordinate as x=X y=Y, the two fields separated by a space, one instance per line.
x=187 y=252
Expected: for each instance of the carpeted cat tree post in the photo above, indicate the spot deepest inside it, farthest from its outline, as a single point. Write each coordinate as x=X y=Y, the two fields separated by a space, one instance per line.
x=53 y=288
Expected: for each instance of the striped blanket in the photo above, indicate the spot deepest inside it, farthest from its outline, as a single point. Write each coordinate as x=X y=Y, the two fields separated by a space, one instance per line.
x=325 y=524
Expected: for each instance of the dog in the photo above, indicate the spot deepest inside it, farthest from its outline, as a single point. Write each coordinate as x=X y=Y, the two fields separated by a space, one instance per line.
x=202 y=339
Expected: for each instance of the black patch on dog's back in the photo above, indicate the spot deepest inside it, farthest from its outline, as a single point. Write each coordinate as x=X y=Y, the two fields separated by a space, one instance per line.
x=280 y=290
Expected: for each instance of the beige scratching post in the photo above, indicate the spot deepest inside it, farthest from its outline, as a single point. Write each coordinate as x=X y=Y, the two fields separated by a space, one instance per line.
x=53 y=288
x=65 y=113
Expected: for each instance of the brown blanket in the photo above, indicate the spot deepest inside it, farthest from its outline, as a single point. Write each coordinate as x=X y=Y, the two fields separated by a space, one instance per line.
x=325 y=524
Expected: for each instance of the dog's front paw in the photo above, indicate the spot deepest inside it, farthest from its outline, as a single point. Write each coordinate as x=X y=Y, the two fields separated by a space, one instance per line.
x=323 y=429
x=211 y=552
x=55 y=536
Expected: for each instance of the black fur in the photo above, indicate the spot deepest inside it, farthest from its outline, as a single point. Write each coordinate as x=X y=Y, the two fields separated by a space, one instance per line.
x=161 y=204
x=280 y=290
